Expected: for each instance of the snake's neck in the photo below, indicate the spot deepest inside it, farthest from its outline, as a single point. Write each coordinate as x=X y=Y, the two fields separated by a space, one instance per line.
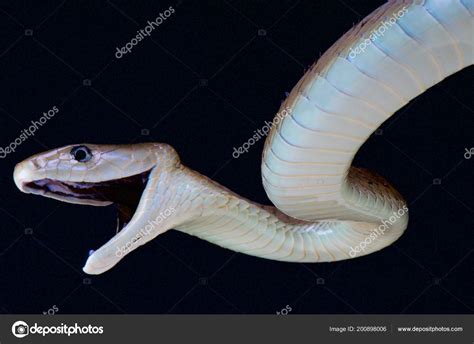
x=203 y=208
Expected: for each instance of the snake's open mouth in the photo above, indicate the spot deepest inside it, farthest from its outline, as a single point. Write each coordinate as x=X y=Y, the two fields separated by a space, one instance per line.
x=125 y=193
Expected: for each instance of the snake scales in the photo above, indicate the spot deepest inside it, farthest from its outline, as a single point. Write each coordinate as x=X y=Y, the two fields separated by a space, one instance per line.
x=324 y=208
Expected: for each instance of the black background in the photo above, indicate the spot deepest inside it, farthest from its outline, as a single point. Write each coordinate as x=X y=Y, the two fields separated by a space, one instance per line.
x=203 y=82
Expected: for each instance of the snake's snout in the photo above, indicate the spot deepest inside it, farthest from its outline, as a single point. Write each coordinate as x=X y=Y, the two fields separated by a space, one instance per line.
x=24 y=173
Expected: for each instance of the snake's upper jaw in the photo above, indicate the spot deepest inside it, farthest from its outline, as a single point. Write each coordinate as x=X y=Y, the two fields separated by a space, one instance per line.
x=27 y=180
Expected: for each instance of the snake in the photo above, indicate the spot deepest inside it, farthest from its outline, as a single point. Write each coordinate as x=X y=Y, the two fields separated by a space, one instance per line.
x=324 y=209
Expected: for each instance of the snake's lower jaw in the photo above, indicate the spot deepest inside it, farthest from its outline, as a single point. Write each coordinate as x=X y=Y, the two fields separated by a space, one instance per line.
x=145 y=223
x=108 y=255
x=138 y=232
x=96 y=265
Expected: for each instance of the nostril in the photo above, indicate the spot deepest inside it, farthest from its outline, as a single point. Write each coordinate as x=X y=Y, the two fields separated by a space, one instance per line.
x=35 y=164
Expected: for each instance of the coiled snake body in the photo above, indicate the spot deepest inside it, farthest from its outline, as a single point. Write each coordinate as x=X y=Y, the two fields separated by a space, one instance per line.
x=325 y=210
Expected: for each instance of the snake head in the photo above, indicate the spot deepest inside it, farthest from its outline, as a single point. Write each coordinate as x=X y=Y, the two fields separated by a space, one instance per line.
x=102 y=175
x=84 y=173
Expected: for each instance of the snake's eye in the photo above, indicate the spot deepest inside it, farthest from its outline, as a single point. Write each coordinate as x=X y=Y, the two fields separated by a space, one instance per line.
x=81 y=153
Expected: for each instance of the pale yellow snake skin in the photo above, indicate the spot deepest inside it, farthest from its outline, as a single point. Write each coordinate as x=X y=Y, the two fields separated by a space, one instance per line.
x=325 y=208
